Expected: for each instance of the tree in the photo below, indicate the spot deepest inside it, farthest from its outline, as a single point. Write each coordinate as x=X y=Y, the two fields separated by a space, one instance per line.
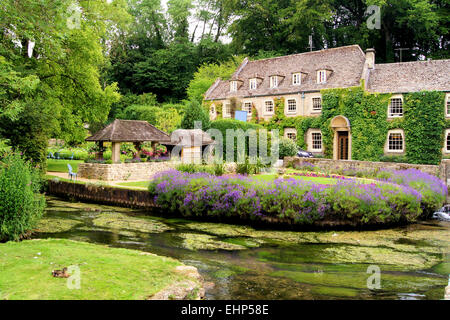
x=55 y=87
x=194 y=112
x=208 y=73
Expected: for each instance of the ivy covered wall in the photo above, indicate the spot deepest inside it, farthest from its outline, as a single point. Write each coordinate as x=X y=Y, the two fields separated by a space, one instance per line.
x=423 y=123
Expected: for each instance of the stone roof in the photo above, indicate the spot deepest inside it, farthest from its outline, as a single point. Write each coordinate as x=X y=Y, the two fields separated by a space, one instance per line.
x=129 y=131
x=189 y=138
x=410 y=77
x=346 y=64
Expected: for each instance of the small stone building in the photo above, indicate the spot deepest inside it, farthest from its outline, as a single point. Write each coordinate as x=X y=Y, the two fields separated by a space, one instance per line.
x=189 y=145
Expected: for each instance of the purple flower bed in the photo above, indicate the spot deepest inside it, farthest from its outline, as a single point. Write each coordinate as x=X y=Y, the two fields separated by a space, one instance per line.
x=402 y=196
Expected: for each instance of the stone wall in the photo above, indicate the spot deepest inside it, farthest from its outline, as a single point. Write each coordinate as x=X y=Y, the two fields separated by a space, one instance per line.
x=101 y=194
x=330 y=165
x=122 y=171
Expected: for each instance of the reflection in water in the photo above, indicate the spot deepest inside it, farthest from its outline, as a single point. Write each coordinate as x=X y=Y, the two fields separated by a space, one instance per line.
x=246 y=263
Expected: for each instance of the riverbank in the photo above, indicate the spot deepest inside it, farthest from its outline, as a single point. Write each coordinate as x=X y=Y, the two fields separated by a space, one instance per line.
x=252 y=263
x=104 y=273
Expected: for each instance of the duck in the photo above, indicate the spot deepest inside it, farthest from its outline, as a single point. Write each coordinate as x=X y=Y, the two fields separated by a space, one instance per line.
x=60 y=273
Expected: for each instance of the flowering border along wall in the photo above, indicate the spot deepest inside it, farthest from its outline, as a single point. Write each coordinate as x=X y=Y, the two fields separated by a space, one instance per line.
x=423 y=123
x=401 y=196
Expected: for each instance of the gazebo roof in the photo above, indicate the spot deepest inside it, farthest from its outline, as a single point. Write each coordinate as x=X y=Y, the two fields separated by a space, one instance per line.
x=129 y=131
x=189 y=138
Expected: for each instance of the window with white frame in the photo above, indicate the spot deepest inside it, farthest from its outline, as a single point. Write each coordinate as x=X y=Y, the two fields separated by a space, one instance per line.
x=316 y=141
x=321 y=76
x=213 y=109
x=292 y=136
x=447 y=104
x=395 y=142
x=290 y=133
x=247 y=107
x=274 y=82
x=447 y=141
x=317 y=104
x=227 y=110
x=253 y=84
x=268 y=106
x=233 y=86
x=396 y=107
x=296 y=79
x=291 y=106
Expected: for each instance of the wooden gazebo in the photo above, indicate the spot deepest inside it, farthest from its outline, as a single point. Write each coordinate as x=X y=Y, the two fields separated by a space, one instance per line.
x=135 y=131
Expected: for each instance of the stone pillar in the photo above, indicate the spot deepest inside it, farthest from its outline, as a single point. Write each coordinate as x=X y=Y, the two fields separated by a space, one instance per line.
x=116 y=152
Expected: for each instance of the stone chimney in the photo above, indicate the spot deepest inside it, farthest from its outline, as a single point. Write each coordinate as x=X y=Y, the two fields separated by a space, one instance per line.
x=370 y=58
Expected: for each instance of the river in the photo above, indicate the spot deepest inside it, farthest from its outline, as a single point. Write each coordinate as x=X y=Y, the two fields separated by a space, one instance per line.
x=248 y=263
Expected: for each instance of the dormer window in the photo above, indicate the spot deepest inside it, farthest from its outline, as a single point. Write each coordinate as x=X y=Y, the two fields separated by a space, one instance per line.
x=253 y=84
x=296 y=79
x=274 y=82
x=233 y=86
x=322 y=76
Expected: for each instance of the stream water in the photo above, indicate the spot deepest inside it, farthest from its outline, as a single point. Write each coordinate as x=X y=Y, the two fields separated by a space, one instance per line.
x=248 y=263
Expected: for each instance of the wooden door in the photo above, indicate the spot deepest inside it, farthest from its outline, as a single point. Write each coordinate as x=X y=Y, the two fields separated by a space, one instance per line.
x=342 y=145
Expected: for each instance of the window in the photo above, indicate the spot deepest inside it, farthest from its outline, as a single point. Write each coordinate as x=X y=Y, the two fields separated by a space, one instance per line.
x=233 y=86
x=296 y=79
x=292 y=106
x=273 y=81
x=395 y=142
x=447 y=104
x=396 y=107
x=316 y=141
x=292 y=136
x=253 y=84
x=213 y=109
x=227 y=110
x=316 y=104
x=447 y=146
x=321 y=76
x=269 y=106
x=247 y=107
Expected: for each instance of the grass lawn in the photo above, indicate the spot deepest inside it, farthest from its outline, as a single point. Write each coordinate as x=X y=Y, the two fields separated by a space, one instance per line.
x=139 y=184
x=106 y=273
x=61 y=165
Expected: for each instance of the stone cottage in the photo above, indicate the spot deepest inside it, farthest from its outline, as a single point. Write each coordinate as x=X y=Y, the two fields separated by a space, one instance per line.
x=299 y=79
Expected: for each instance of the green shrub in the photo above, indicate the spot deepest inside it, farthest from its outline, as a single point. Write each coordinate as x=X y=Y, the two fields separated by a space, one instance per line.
x=247 y=167
x=287 y=148
x=219 y=169
x=397 y=159
x=231 y=124
x=195 y=168
x=195 y=112
x=66 y=153
x=21 y=204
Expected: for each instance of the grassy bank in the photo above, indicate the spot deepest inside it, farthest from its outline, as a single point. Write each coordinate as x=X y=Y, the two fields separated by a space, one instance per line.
x=106 y=273
x=61 y=165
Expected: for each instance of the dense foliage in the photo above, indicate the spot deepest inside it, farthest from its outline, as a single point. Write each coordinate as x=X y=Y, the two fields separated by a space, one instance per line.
x=21 y=204
x=399 y=197
x=287 y=148
x=367 y=113
x=195 y=113
x=242 y=134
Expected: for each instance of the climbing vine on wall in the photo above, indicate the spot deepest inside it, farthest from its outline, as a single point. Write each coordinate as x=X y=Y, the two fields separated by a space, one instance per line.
x=423 y=123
